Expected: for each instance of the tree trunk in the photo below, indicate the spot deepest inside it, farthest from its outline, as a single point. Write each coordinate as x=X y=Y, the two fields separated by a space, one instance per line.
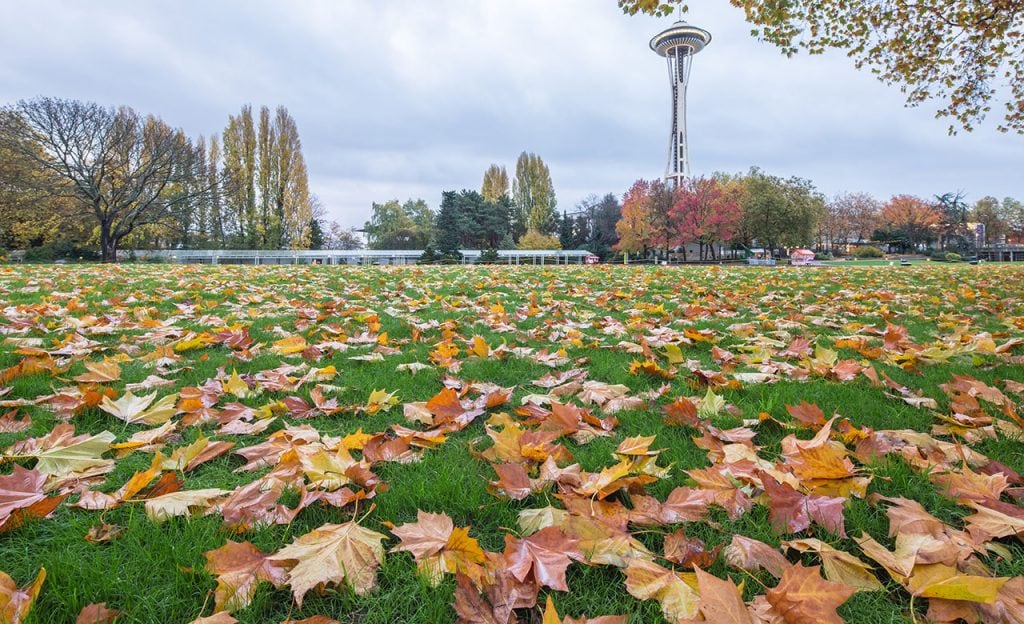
x=108 y=245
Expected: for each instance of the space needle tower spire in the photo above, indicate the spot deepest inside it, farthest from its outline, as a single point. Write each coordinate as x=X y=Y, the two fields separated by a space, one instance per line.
x=678 y=43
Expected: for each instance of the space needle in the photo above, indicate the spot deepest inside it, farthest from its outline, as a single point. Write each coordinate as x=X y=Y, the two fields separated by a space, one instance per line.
x=678 y=43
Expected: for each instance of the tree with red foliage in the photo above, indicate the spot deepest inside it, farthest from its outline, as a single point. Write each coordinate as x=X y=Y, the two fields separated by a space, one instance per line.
x=703 y=213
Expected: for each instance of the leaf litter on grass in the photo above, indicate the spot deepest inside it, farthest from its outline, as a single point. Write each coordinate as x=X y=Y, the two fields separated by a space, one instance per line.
x=310 y=430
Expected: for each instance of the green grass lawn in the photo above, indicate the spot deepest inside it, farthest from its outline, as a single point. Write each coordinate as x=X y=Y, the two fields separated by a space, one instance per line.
x=919 y=325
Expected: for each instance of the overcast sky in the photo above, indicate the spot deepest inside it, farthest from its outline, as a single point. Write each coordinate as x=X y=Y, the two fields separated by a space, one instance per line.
x=407 y=98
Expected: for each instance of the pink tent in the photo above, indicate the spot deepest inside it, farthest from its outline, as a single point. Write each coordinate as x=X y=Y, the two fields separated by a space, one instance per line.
x=801 y=256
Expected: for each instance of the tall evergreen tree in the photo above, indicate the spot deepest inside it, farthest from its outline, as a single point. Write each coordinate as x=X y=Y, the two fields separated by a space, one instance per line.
x=316 y=234
x=565 y=231
x=603 y=236
x=449 y=225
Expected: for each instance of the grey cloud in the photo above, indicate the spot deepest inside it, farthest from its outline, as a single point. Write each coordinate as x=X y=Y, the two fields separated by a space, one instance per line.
x=408 y=98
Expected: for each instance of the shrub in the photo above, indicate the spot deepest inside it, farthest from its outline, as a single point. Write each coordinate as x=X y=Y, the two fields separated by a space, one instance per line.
x=823 y=256
x=429 y=256
x=953 y=257
x=489 y=256
x=534 y=240
x=59 y=250
x=868 y=252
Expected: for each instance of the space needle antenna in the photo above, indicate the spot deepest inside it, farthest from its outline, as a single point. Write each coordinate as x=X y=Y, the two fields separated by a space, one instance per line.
x=678 y=44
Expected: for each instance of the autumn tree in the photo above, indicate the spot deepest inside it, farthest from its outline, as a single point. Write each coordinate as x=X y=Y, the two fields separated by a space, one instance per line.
x=704 y=214
x=118 y=168
x=395 y=225
x=240 y=173
x=968 y=55
x=663 y=222
x=535 y=241
x=1012 y=212
x=267 y=190
x=987 y=212
x=495 y=184
x=915 y=218
x=780 y=212
x=30 y=216
x=533 y=197
x=338 y=237
x=848 y=218
x=215 y=209
x=861 y=212
x=634 y=226
x=268 y=225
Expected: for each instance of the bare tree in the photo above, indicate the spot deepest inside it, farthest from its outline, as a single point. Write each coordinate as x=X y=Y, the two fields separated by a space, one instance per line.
x=125 y=170
x=338 y=237
x=851 y=217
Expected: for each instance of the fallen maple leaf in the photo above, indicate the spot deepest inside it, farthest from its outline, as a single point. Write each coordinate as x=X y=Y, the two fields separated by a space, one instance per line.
x=839 y=566
x=751 y=555
x=290 y=345
x=15 y=604
x=503 y=596
x=688 y=552
x=77 y=455
x=240 y=568
x=439 y=547
x=533 y=520
x=993 y=519
x=9 y=425
x=141 y=410
x=647 y=580
x=720 y=600
x=513 y=481
x=547 y=553
x=941 y=581
x=332 y=554
x=97 y=613
x=792 y=512
x=807 y=413
x=99 y=372
x=380 y=400
x=19 y=490
x=803 y=596
x=316 y=619
x=1009 y=604
x=551 y=617
x=603 y=544
x=217 y=618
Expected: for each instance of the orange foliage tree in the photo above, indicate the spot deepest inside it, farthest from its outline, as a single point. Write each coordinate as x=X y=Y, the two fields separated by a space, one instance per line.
x=912 y=216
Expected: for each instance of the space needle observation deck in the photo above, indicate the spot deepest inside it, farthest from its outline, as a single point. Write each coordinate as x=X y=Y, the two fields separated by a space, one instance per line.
x=678 y=44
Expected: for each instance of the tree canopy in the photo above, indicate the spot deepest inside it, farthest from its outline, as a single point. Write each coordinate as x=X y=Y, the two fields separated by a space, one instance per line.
x=967 y=55
x=115 y=166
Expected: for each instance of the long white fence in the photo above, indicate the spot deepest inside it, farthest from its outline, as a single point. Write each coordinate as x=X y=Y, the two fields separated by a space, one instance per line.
x=357 y=256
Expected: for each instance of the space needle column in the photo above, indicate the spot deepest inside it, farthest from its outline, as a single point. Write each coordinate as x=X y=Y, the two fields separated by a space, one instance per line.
x=678 y=44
